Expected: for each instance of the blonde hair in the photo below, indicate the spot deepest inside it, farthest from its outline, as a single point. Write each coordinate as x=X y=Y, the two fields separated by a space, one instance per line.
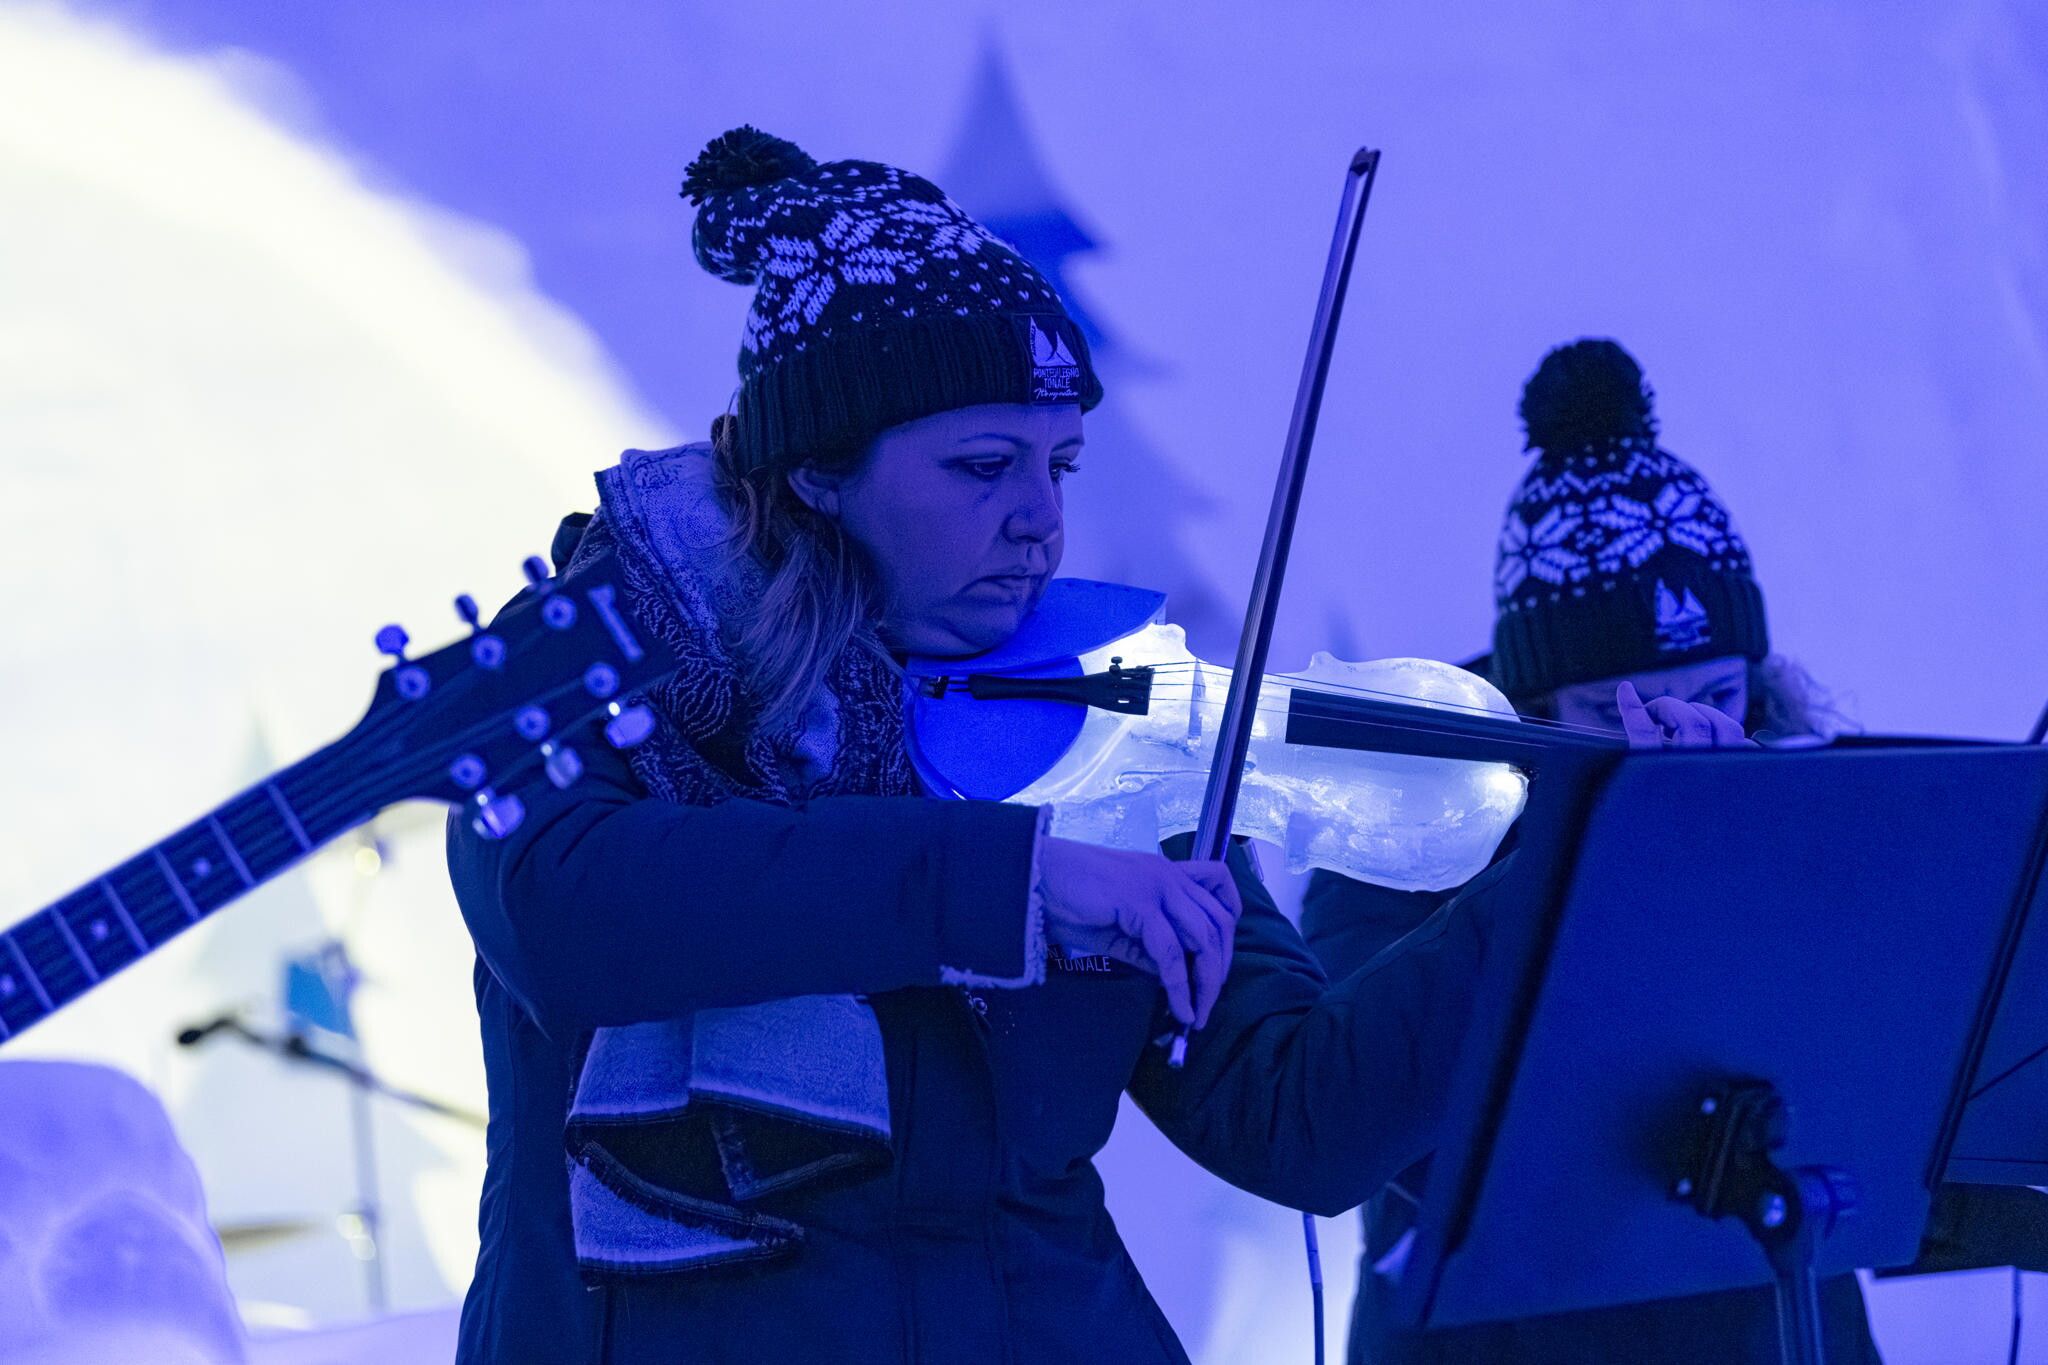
x=1785 y=700
x=820 y=595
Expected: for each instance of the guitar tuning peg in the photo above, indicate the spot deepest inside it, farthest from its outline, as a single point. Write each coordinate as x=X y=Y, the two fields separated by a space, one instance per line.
x=413 y=682
x=536 y=570
x=628 y=727
x=563 y=765
x=485 y=651
x=497 y=816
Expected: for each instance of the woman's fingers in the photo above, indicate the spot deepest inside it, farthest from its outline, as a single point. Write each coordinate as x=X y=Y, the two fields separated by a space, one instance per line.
x=1727 y=732
x=1636 y=722
x=1684 y=722
x=1199 y=949
x=1208 y=947
x=1169 y=959
x=1667 y=720
x=1215 y=895
x=1215 y=878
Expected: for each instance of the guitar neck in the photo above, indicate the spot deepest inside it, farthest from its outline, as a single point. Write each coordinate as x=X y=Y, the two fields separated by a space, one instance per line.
x=68 y=947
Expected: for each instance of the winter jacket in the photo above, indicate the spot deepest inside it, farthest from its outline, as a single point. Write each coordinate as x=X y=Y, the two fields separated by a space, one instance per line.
x=1348 y=923
x=986 y=1239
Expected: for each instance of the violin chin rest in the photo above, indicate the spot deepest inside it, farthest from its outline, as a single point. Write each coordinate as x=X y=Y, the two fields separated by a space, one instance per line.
x=990 y=750
x=1075 y=616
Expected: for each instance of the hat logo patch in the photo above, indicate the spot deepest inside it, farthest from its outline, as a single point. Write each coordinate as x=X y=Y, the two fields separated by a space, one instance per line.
x=1682 y=624
x=1055 y=374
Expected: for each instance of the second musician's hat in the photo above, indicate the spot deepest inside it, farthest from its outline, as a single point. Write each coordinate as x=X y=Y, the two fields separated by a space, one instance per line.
x=877 y=300
x=1615 y=556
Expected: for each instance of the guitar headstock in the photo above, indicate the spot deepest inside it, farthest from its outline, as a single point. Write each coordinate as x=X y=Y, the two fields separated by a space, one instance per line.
x=513 y=705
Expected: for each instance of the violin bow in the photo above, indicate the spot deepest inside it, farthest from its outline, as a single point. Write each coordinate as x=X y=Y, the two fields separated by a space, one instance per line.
x=1233 y=740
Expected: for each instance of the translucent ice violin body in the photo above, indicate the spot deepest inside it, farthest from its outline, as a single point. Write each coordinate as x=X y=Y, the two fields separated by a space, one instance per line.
x=1403 y=772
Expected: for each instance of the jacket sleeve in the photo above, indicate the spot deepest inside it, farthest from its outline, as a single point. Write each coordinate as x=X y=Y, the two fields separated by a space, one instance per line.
x=609 y=907
x=1314 y=1093
x=1347 y=923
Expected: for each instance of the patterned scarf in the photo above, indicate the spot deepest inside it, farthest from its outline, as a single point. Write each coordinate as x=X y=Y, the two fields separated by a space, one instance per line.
x=676 y=1127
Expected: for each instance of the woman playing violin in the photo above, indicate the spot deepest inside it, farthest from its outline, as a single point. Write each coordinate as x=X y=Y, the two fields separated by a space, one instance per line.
x=831 y=1058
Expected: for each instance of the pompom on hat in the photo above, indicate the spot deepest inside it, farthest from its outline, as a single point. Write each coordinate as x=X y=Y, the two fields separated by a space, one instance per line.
x=877 y=300
x=1615 y=556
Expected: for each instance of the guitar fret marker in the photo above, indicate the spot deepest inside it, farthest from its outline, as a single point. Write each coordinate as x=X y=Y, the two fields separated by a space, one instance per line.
x=77 y=949
x=121 y=912
x=290 y=817
x=241 y=868
x=35 y=982
x=177 y=887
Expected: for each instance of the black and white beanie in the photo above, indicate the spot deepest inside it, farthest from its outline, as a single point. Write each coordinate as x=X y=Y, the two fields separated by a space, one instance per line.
x=1615 y=557
x=877 y=300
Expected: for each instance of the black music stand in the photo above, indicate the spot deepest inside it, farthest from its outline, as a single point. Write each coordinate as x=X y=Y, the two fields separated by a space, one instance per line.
x=1724 y=1027
x=2004 y=1134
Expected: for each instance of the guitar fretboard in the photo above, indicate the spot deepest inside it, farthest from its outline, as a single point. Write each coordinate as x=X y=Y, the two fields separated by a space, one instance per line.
x=67 y=948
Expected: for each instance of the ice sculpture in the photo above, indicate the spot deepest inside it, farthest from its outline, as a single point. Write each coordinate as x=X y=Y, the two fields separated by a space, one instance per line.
x=1416 y=824
x=105 y=1251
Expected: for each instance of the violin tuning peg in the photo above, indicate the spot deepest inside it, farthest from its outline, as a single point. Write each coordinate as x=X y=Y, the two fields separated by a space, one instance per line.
x=392 y=640
x=497 y=816
x=629 y=727
x=563 y=766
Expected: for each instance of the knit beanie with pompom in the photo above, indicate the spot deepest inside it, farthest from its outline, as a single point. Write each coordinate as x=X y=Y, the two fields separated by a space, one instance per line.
x=877 y=301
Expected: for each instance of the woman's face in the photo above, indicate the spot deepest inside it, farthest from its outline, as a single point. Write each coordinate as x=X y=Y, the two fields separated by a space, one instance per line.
x=1720 y=683
x=961 y=515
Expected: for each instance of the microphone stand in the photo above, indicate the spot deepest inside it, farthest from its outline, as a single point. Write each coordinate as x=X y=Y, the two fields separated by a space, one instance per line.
x=294 y=1048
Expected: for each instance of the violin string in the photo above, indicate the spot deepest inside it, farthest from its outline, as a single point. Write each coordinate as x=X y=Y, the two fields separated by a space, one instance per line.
x=1453 y=711
x=1280 y=711
x=1317 y=685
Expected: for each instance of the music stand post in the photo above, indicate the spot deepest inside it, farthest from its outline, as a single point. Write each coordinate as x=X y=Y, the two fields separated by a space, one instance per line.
x=1733 y=1002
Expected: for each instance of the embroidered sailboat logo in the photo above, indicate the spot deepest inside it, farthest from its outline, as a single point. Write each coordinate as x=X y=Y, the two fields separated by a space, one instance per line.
x=1055 y=374
x=1681 y=624
x=1048 y=347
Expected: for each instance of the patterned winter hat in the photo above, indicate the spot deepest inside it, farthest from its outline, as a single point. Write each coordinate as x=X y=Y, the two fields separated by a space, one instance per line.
x=1615 y=556
x=877 y=300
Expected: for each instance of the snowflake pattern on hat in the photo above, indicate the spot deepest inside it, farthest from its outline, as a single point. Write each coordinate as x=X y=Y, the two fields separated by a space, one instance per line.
x=1592 y=517
x=856 y=243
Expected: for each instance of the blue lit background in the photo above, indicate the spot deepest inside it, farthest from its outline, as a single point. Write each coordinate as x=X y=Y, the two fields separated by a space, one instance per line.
x=312 y=315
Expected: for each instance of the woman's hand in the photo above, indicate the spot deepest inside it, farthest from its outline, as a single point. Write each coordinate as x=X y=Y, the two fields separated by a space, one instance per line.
x=1147 y=910
x=1668 y=722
